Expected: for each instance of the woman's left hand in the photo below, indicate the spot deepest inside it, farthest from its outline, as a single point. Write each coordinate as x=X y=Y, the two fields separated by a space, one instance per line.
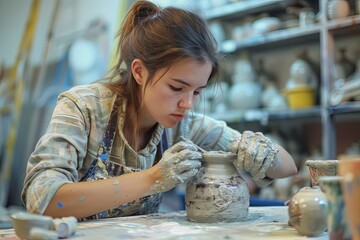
x=255 y=154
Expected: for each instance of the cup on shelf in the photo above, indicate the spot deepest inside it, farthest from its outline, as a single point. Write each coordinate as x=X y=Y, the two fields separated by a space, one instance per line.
x=306 y=18
x=300 y=96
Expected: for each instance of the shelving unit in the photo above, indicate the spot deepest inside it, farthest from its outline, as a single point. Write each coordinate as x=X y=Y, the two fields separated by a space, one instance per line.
x=278 y=37
x=238 y=9
x=323 y=33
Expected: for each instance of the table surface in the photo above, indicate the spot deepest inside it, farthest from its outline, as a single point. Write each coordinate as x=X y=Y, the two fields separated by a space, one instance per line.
x=261 y=223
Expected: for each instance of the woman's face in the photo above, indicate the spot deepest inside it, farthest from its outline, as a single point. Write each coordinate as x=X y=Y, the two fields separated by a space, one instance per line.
x=172 y=93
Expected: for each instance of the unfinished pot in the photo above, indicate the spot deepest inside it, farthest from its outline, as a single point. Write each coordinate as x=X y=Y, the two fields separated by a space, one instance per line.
x=217 y=193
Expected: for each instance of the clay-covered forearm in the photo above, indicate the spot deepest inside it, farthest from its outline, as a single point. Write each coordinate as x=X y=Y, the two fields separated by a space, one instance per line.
x=83 y=199
x=286 y=167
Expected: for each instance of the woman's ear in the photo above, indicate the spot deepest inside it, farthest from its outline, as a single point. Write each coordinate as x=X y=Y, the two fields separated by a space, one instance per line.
x=139 y=71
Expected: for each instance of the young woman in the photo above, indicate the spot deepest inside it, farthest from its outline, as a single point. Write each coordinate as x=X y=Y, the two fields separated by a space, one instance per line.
x=112 y=148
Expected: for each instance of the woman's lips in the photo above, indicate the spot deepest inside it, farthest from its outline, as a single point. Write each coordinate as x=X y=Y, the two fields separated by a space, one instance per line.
x=178 y=117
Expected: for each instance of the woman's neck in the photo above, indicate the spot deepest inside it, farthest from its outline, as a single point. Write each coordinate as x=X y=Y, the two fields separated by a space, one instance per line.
x=140 y=139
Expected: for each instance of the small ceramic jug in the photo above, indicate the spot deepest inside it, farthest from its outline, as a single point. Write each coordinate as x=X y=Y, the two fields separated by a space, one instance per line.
x=217 y=193
x=308 y=211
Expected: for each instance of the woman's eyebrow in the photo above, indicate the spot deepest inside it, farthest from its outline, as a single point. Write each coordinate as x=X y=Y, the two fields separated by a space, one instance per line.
x=185 y=83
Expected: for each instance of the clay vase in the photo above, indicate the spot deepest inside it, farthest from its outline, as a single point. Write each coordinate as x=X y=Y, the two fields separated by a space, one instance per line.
x=308 y=211
x=319 y=168
x=217 y=193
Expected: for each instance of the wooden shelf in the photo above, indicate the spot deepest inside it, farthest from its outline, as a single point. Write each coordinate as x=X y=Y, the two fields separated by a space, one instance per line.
x=343 y=24
x=323 y=35
x=264 y=115
x=345 y=108
x=244 y=8
x=287 y=36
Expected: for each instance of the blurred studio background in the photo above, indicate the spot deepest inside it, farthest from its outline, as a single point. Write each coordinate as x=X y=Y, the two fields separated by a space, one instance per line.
x=291 y=70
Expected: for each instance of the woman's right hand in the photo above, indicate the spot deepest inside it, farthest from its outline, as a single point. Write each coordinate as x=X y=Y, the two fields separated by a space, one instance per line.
x=179 y=163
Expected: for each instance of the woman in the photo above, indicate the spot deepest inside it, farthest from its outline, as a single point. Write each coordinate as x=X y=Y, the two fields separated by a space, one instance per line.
x=111 y=149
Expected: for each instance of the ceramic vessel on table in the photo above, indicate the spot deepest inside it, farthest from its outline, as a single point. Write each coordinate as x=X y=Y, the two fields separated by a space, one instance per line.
x=308 y=211
x=321 y=168
x=217 y=193
x=349 y=169
x=337 y=220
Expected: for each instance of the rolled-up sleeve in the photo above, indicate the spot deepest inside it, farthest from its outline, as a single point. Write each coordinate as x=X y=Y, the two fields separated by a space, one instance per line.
x=206 y=132
x=57 y=154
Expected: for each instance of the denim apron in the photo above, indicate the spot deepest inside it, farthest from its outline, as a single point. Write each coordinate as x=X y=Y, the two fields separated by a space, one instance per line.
x=103 y=168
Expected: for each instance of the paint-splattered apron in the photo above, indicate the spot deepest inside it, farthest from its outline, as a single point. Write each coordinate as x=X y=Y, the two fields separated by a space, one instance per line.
x=103 y=168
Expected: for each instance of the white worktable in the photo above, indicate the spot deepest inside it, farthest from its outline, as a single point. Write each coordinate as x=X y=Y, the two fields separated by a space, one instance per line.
x=261 y=223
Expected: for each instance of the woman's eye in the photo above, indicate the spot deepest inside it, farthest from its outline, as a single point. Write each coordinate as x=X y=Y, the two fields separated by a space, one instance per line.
x=197 y=93
x=175 y=88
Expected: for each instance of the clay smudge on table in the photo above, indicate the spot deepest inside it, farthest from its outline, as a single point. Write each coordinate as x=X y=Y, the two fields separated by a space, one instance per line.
x=132 y=225
x=170 y=228
x=116 y=182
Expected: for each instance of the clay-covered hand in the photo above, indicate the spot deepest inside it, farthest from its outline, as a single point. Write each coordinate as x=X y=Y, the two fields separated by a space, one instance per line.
x=179 y=163
x=255 y=154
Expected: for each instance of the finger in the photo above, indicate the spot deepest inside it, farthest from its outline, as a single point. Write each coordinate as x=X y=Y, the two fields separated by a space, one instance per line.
x=270 y=158
x=188 y=154
x=188 y=174
x=184 y=139
x=187 y=165
x=245 y=140
x=251 y=153
x=179 y=146
x=243 y=145
x=263 y=151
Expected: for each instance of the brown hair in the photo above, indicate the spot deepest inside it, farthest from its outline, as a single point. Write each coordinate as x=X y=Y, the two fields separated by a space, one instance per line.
x=159 y=38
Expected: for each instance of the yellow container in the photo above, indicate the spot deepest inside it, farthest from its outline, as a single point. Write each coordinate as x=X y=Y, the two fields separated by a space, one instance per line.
x=300 y=97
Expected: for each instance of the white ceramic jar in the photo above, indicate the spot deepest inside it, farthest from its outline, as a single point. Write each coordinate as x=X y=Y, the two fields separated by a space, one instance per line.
x=217 y=193
x=245 y=91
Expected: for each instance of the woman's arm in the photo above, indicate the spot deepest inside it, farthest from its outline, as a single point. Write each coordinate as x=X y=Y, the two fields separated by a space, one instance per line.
x=178 y=163
x=83 y=199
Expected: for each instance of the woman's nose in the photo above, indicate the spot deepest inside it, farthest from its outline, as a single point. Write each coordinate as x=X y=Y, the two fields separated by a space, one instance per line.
x=186 y=103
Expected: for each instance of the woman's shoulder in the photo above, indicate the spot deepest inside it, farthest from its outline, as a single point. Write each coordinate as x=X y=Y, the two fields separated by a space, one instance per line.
x=94 y=97
x=95 y=90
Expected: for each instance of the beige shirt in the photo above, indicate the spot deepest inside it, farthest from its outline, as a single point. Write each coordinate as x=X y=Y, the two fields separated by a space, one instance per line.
x=71 y=142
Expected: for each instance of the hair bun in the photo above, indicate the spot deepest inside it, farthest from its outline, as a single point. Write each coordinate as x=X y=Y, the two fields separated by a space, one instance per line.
x=145 y=9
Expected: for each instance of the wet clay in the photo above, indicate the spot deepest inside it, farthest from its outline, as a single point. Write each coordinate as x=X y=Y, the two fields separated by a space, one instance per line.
x=217 y=193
